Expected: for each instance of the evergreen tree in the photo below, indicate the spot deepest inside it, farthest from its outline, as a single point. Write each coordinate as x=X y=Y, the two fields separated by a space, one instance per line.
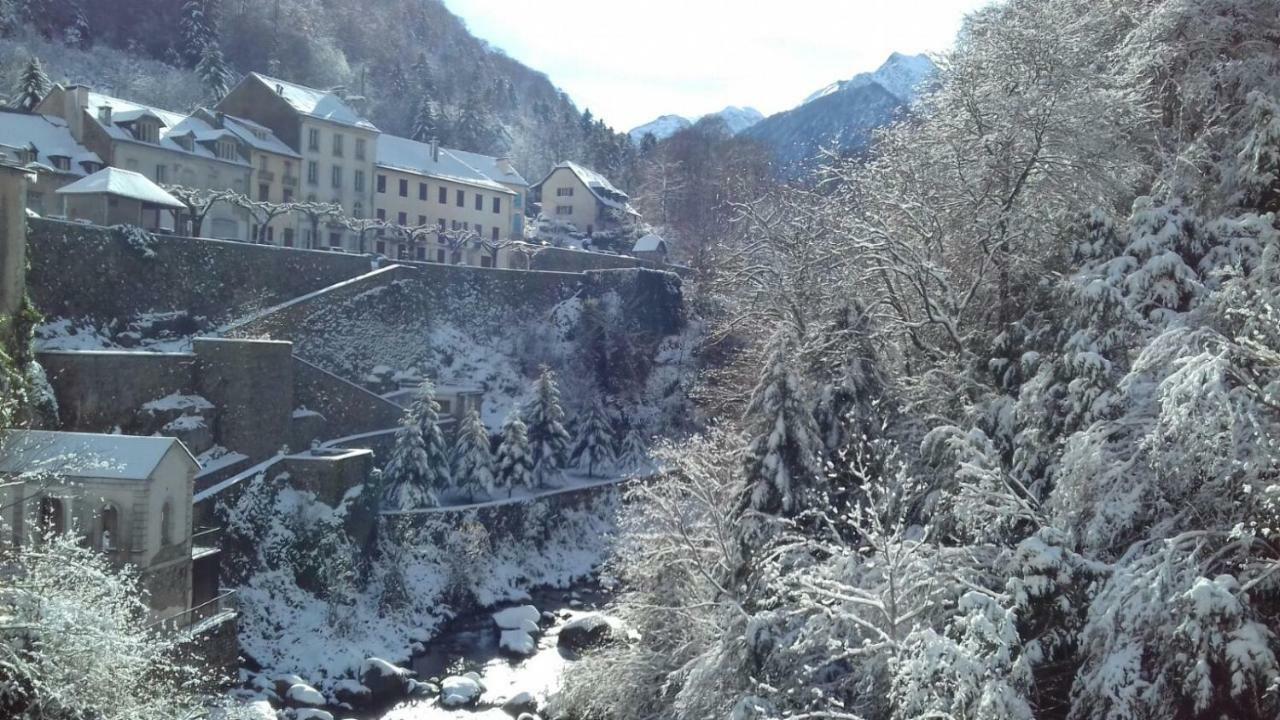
x=473 y=471
x=593 y=449
x=78 y=33
x=548 y=439
x=213 y=71
x=475 y=129
x=198 y=29
x=783 y=464
x=33 y=85
x=426 y=122
x=427 y=412
x=407 y=476
x=632 y=455
x=515 y=461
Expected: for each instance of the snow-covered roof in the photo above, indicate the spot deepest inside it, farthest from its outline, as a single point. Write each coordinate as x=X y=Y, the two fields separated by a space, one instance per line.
x=85 y=455
x=172 y=125
x=649 y=243
x=47 y=136
x=500 y=169
x=319 y=104
x=599 y=185
x=399 y=153
x=257 y=136
x=122 y=183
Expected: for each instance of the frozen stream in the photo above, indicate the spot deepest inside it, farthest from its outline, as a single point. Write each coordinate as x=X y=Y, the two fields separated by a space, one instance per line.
x=471 y=645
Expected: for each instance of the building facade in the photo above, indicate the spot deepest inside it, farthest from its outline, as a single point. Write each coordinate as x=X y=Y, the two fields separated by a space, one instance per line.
x=573 y=194
x=336 y=146
x=274 y=178
x=44 y=145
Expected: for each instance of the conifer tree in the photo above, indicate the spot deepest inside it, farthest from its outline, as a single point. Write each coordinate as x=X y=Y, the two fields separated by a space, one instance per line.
x=407 y=474
x=473 y=471
x=548 y=439
x=632 y=455
x=33 y=85
x=427 y=412
x=426 y=123
x=783 y=463
x=198 y=29
x=593 y=449
x=78 y=33
x=514 y=461
x=214 y=72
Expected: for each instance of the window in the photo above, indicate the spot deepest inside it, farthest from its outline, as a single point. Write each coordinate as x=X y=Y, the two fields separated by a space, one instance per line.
x=497 y=205
x=226 y=150
x=479 y=230
x=454 y=225
x=337 y=176
x=62 y=163
x=264 y=192
x=288 y=237
x=440 y=256
x=148 y=131
x=380 y=247
x=263 y=163
x=421 y=253
x=402 y=219
x=357 y=210
x=313 y=172
x=253 y=232
x=462 y=198
x=422 y=191
x=442 y=196
x=313 y=139
x=479 y=202
x=359 y=148
x=335 y=240
x=404 y=188
x=288 y=195
x=486 y=261
x=51 y=518
x=359 y=181
x=166 y=523
x=422 y=220
x=108 y=528
x=440 y=222
x=402 y=252
x=382 y=183
x=161 y=175
x=495 y=233
x=271 y=235
x=337 y=144
x=564 y=192
x=564 y=209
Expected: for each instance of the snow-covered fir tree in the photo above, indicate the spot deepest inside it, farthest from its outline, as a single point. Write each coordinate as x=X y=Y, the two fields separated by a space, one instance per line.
x=418 y=469
x=474 y=469
x=783 y=463
x=548 y=439
x=198 y=28
x=632 y=454
x=515 y=459
x=593 y=447
x=33 y=85
x=426 y=120
x=214 y=72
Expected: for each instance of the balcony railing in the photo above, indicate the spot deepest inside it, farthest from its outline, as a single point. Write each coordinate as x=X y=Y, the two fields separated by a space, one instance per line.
x=266 y=176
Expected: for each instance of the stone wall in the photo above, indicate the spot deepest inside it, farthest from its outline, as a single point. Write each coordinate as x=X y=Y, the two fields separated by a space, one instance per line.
x=330 y=473
x=98 y=391
x=348 y=409
x=251 y=383
x=576 y=261
x=206 y=278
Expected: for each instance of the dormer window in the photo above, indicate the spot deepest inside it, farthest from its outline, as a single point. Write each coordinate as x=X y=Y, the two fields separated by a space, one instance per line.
x=61 y=162
x=226 y=150
x=186 y=141
x=148 y=131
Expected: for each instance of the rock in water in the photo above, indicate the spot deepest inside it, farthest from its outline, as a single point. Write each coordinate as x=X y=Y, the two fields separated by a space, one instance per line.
x=515 y=618
x=517 y=642
x=353 y=693
x=259 y=710
x=586 y=632
x=304 y=696
x=520 y=704
x=311 y=714
x=385 y=681
x=286 y=681
x=460 y=691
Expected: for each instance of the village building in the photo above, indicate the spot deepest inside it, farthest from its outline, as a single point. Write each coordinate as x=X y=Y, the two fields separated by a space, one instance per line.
x=113 y=196
x=167 y=147
x=573 y=194
x=651 y=247
x=500 y=169
x=422 y=184
x=129 y=497
x=336 y=144
x=44 y=145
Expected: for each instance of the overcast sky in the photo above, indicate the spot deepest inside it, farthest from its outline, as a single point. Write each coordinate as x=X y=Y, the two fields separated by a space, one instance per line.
x=630 y=62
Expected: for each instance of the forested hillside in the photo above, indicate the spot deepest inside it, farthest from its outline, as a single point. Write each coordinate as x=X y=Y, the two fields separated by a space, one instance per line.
x=417 y=68
x=995 y=408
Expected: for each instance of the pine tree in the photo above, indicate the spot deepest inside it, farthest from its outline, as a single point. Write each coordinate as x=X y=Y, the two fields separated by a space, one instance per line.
x=475 y=129
x=426 y=123
x=547 y=437
x=632 y=455
x=515 y=462
x=473 y=471
x=427 y=413
x=214 y=72
x=594 y=447
x=198 y=29
x=33 y=85
x=78 y=33
x=783 y=463
x=407 y=474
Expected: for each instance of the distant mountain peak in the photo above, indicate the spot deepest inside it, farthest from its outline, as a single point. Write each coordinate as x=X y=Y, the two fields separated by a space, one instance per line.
x=900 y=74
x=736 y=119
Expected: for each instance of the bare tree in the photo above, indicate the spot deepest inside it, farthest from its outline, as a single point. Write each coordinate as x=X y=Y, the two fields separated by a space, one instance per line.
x=316 y=213
x=262 y=212
x=199 y=203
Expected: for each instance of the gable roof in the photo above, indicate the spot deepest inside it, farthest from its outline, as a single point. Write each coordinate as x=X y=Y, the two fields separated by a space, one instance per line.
x=48 y=136
x=85 y=455
x=599 y=185
x=319 y=104
x=492 y=166
x=649 y=243
x=122 y=183
x=256 y=136
x=399 y=153
x=172 y=125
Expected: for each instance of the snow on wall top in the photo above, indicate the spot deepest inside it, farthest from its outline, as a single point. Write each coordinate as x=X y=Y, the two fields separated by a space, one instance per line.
x=122 y=183
x=86 y=455
x=314 y=103
x=399 y=153
x=49 y=136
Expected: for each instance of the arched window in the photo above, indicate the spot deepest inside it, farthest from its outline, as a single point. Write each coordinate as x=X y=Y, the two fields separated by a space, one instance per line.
x=51 y=518
x=108 y=539
x=166 y=523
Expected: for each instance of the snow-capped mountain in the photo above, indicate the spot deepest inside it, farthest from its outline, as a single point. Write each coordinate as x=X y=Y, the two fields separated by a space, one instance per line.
x=735 y=118
x=842 y=116
x=662 y=128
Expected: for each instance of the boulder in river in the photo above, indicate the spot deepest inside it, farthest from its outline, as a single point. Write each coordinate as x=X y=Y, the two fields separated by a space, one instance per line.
x=285 y=681
x=517 y=618
x=419 y=689
x=586 y=632
x=517 y=642
x=460 y=691
x=520 y=704
x=259 y=710
x=352 y=693
x=312 y=714
x=302 y=695
x=385 y=681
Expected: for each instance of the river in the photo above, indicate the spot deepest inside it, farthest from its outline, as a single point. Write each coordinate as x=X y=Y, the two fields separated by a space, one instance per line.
x=470 y=644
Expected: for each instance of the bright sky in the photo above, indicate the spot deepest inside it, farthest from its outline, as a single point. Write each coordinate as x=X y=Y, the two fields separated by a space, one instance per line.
x=630 y=62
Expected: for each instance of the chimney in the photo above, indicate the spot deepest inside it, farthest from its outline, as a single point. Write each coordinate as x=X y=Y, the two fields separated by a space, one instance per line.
x=435 y=150
x=505 y=167
x=104 y=114
x=75 y=102
x=279 y=89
